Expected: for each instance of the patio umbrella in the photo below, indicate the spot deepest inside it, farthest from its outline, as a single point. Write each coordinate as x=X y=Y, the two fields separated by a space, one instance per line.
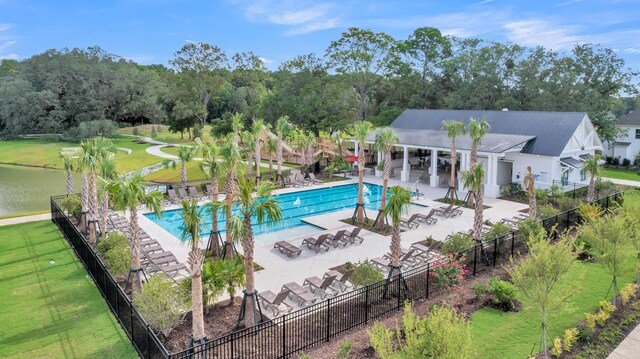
x=352 y=159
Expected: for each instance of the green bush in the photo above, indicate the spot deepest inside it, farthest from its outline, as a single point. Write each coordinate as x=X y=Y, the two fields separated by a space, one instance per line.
x=603 y=185
x=365 y=273
x=541 y=194
x=88 y=129
x=547 y=211
x=530 y=228
x=479 y=290
x=345 y=348
x=154 y=132
x=569 y=339
x=626 y=162
x=584 y=332
x=502 y=293
x=72 y=205
x=161 y=303
x=135 y=131
x=457 y=243
x=498 y=230
x=566 y=203
x=555 y=192
x=116 y=253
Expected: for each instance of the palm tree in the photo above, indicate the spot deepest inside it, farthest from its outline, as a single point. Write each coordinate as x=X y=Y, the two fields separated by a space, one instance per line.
x=272 y=149
x=91 y=153
x=473 y=179
x=265 y=209
x=361 y=131
x=107 y=173
x=303 y=142
x=185 y=154
x=231 y=163
x=385 y=139
x=237 y=125
x=529 y=183
x=191 y=219
x=211 y=168
x=257 y=128
x=70 y=165
x=283 y=127
x=592 y=166
x=454 y=129
x=477 y=131
x=312 y=142
x=128 y=194
x=248 y=148
x=398 y=205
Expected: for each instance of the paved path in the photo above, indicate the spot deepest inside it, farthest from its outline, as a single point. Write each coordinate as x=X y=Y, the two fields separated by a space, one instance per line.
x=25 y=219
x=629 y=348
x=623 y=182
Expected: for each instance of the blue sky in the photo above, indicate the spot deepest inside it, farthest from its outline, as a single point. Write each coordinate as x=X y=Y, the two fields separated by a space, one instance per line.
x=150 y=31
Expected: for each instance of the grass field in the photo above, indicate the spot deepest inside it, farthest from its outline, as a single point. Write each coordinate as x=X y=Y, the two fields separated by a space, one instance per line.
x=620 y=174
x=51 y=310
x=512 y=335
x=164 y=135
x=23 y=214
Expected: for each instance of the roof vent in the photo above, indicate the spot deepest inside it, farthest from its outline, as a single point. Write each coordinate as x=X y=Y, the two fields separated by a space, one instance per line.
x=505 y=109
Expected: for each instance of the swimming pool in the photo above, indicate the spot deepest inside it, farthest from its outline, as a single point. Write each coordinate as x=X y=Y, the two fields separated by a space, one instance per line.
x=295 y=206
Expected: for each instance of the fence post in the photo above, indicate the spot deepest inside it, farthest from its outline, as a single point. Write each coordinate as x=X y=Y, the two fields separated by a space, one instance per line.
x=608 y=202
x=428 y=275
x=495 y=250
x=148 y=343
x=366 y=304
x=475 y=257
x=328 y=319
x=399 y=288
x=568 y=219
x=513 y=241
x=284 y=336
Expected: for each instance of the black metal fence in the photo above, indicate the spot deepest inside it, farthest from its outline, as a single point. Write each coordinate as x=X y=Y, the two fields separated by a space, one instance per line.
x=315 y=324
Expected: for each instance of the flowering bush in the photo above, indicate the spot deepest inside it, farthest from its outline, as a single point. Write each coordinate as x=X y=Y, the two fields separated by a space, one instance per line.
x=450 y=274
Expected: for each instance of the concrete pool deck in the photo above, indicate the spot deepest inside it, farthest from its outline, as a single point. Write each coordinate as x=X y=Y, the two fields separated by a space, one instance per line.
x=280 y=269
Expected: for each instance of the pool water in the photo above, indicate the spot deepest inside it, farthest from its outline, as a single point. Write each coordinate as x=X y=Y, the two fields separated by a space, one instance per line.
x=295 y=206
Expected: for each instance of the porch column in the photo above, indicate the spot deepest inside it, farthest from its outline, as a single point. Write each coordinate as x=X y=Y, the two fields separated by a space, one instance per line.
x=380 y=156
x=404 y=175
x=433 y=181
x=491 y=189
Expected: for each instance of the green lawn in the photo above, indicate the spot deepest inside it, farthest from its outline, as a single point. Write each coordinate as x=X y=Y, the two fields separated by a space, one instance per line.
x=164 y=135
x=51 y=310
x=512 y=335
x=620 y=174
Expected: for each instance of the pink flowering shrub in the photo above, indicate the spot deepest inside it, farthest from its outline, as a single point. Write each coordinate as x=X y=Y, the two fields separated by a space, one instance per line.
x=450 y=274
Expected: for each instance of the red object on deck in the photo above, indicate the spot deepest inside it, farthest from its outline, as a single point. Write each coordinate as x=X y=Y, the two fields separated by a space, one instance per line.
x=352 y=159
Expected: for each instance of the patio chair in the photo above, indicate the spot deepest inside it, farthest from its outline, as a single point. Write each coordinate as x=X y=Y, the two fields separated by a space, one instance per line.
x=443 y=211
x=353 y=236
x=317 y=244
x=428 y=219
x=338 y=238
x=342 y=279
x=183 y=193
x=173 y=197
x=312 y=178
x=208 y=190
x=509 y=222
x=323 y=286
x=455 y=211
x=424 y=253
x=300 y=178
x=291 y=181
x=303 y=296
x=287 y=248
x=275 y=302
x=193 y=193
x=406 y=258
x=410 y=223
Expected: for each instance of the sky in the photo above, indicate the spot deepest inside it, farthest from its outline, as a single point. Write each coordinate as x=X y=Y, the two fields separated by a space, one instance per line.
x=150 y=31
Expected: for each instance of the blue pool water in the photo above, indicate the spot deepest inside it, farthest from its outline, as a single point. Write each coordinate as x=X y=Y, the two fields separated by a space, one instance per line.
x=295 y=206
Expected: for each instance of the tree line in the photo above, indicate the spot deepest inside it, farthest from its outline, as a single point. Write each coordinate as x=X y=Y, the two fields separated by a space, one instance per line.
x=363 y=75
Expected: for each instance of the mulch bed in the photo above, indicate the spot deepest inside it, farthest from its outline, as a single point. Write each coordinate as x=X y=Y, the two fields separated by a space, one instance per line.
x=368 y=225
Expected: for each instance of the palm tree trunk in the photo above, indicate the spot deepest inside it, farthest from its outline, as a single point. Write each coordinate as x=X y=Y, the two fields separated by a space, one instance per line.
x=93 y=204
x=84 y=200
x=477 y=218
x=197 y=316
x=247 y=246
x=591 y=193
x=215 y=250
x=454 y=161
x=228 y=191
x=250 y=164
x=183 y=174
x=258 y=157
x=280 y=180
x=360 y=209
x=473 y=159
x=385 y=184
x=69 y=182
x=135 y=249
x=395 y=246
x=104 y=208
x=270 y=166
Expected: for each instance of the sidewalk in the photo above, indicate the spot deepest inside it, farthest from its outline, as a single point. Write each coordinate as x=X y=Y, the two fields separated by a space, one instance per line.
x=629 y=348
x=25 y=219
x=623 y=182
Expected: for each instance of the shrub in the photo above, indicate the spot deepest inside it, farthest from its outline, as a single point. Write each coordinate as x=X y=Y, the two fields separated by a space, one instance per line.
x=345 y=348
x=584 y=332
x=615 y=161
x=197 y=133
x=114 y=249
x=569 y=339
x=601 y=317
x=556 y=192
x=626 y=162
x=498 y=230
x=161 y=303
x=556 y=348
x=136 y=131
x=608 y=160
x=89 y=129
x=541 y=194
x=637 y=159
x=154 y=132
x=628 y=292
x=503 y=293
x=457 y=243
x=365 y=273
x=602 y=185
x=566 y=203
x=589 y=212
x=72 y=205
x=582 y=244
x=479 y=290
x=547 y=211
x=590 y=320
x=530 y=228
x=449 y=275
x=607 y=308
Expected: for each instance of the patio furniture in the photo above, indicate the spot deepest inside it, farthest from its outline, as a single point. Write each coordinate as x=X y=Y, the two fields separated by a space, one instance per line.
x=353 y=236
x=287 y=248
x=428 y=218
x=312 y=178
x=321 y=285
x=300 y=178
x=291 y=181
x=449 y=211
x=182 y=193
x=275 y=302
x=173 y=197
x=425 y=253
x=208 y=190
x=193 y=193
x=317 y=244
x=303 y=296
x=384 y=262
x=338 y=238
x=410 y=223
x=342 y=279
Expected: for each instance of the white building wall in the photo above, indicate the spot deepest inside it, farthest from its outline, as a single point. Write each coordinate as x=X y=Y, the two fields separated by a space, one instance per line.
x=628 y=136
x=544 y=168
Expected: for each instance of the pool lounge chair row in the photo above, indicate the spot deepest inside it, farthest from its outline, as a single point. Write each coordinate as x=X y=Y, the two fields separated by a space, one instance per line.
x=513 y=221
x=342 y=238
x=298 y=180
x=418 y=254
x=448 y=211
x=331 y=284
x=175 y=198
x=417 y=218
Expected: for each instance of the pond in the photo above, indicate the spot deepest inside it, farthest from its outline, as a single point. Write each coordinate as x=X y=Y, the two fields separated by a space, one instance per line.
x=27 y=189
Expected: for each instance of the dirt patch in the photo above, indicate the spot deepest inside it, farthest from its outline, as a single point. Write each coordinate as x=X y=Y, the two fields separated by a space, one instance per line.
x=368 y=225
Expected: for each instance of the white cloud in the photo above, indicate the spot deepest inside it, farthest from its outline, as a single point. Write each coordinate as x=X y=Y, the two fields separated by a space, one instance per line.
x=534 y=32
x=632 y=50
x=6 y=44
x=190 y=41
x=4 y=27
x=9 y=57
x=568 y=2
x=301 y=17
x=484 y=2
x=315 y=26
x=266 y=60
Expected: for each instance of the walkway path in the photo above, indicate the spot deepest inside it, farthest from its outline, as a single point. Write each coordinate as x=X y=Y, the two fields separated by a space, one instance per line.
x=25 y=219
x=623 y=182
x=629 y=348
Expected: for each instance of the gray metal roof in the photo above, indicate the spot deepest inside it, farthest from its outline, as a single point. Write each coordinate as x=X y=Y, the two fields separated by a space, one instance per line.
x=571 y=162
x=585 y=156
x=630 y=119
x=552 y=130
x=622 y=144
x=493 y=142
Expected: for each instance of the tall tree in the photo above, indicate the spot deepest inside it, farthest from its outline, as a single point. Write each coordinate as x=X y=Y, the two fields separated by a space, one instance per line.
x=361 y=131
x=70 y=166
x=231 y=163
x=272 y=149
x=248 y=150
x=529 y=184
x=237 y=125
x=185 y=154
x=107 y=173
x=592 y=166
x=258 y=130
x=398 y=205
x=129 y=194
x=211 y=168
x=477 y=130
x=283 y=128
x=191 y=222
x=473 y=179
x=454 y=129
x=385 y=139
x=365 y=56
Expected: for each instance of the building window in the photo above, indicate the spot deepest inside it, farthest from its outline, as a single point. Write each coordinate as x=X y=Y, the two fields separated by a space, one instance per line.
x=565 y=178
x=637 y=133
x=583 y=174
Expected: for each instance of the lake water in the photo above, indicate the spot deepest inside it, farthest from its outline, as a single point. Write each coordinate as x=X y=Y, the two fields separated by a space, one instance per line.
x=27 y=189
